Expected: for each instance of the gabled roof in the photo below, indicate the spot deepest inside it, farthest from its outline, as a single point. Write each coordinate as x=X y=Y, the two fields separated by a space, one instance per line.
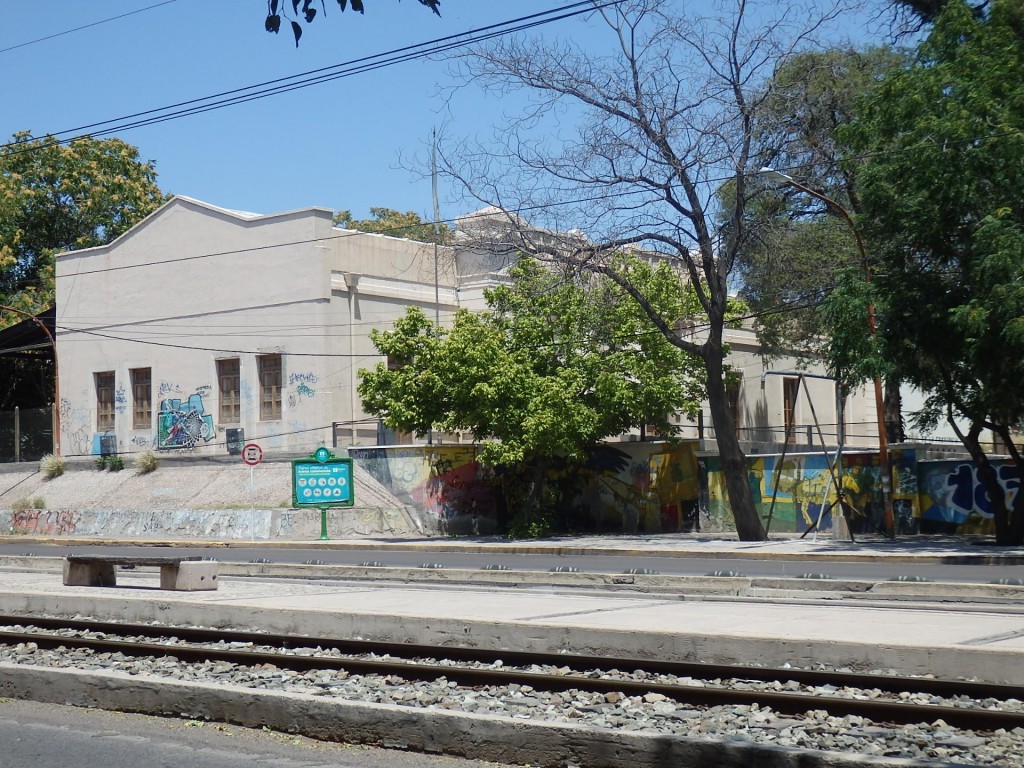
x=182 y=200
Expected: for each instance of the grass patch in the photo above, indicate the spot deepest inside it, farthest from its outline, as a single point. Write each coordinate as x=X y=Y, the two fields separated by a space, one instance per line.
x=52 y=465
x=146 y=461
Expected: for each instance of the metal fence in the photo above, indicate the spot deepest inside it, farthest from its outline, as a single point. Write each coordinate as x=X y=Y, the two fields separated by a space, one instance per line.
x=26 y=434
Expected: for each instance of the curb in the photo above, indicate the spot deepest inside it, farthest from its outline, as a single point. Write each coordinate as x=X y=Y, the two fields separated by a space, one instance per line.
x=653 y=584
x=504 y=548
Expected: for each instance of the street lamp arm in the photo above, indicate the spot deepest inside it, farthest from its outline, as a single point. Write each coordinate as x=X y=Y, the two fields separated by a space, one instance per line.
x=779 y=176
x=883 y=440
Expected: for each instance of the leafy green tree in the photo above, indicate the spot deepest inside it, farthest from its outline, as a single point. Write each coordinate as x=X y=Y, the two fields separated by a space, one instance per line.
x=386 y=221
x=557 y=364
x=943 y=194
x=278 y=8
x=58 y=197
x=55 y=198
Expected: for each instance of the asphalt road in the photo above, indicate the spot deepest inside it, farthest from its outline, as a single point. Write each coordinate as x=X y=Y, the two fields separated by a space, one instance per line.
x=692 y=566
x=35 y=735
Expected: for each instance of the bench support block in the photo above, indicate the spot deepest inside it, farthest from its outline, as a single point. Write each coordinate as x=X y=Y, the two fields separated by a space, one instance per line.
x=189 y=576
x=89 y=575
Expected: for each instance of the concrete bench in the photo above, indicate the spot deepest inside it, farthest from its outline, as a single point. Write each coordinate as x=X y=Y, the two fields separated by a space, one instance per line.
x=184 y=574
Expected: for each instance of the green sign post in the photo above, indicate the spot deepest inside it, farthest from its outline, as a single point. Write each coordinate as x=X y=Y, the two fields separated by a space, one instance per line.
x=323 y=481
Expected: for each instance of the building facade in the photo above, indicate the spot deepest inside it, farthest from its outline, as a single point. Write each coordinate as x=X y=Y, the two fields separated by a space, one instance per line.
x=201 y=321
x=202 y=328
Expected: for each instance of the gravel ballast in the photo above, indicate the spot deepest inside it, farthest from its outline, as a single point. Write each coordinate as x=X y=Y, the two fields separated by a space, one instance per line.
x=598 y=724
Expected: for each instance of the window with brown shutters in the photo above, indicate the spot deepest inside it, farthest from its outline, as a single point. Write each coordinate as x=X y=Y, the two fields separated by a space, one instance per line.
x=104 y=401
x=269 y=370
x=142 y=398
x=229 y=388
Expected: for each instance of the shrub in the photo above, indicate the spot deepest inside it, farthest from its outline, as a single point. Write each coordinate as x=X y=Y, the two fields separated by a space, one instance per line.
x=101 y=463
x=537 y=527
x=38 y=503
x=51 y=465
x=20 y=505
x=115 y=464
x=146 y=461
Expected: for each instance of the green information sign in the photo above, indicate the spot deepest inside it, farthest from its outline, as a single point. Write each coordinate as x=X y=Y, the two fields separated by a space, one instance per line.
x=323 y=481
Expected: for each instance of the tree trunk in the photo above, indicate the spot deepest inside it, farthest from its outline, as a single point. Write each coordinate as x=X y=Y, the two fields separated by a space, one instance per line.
x=894 y=430
x=1015 y=513
x=993 y=489
x=734 y=462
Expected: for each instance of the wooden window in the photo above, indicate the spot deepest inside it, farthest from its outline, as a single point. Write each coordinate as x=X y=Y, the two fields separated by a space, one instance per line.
x=229 y=387
x=790 y=389
x=142 y=398
x=105 y=401
x=269 y=369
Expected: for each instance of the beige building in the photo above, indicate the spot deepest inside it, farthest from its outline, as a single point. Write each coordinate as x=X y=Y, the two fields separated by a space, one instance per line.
x=202 y=327
x=201 y=320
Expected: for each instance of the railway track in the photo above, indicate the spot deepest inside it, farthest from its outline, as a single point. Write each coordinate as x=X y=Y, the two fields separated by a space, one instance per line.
x=694 y=684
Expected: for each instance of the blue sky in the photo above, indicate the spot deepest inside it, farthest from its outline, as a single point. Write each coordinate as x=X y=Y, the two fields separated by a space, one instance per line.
x=336 y=144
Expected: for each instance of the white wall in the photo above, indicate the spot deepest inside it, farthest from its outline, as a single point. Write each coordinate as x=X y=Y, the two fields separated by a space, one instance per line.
x=194 y=283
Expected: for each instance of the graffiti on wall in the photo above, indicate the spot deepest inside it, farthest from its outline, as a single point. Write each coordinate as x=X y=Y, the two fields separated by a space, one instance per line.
x=301 y=388
x=953 y=499
x=74 y=427
x=120 y=399
x=44 y=522
x=181 y=425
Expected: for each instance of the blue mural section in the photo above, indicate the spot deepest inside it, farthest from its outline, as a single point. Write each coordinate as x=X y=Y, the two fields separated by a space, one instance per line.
x=182 y=424
x=953 y=500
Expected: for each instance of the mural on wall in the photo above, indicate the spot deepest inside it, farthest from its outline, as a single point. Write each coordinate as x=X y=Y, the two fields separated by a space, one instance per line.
x=953 y=500
x=630 y=486
x=634 y=487
x=183 y=424
x=928 y=497
x=805 y=494
x=445 y=482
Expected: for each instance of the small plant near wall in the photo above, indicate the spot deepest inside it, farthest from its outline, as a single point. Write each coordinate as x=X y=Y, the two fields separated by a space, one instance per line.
x=146 y=461
x=115 y=464
x=102 y=463
x=25 y=503
x=51 y=465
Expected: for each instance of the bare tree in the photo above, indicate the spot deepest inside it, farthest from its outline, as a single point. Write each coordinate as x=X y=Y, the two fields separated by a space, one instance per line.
x=665 y=119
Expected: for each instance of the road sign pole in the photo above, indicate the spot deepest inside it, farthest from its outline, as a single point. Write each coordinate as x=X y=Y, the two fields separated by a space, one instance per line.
x=252 y=502
x=323 y=524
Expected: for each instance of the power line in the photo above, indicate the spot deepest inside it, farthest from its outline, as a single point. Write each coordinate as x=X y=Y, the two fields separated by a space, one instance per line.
x=85 y=26
x=323 y=74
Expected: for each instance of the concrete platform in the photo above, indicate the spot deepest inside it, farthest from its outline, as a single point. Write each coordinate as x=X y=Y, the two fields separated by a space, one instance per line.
x=958 y=640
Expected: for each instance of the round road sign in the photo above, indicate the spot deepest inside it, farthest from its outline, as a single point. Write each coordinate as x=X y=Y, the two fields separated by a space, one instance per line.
x=252 y=454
